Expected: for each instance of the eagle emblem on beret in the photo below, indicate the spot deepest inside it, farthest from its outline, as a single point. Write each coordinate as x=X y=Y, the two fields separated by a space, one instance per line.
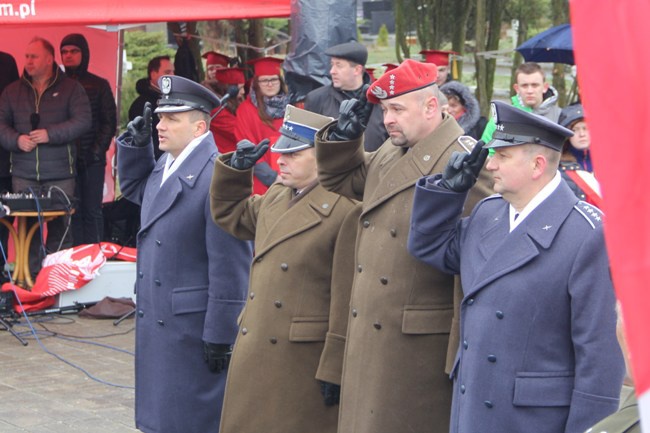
x=166 y=83
x=379 y=92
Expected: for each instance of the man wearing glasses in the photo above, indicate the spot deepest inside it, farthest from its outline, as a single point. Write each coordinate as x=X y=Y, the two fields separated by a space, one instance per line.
x=41 y=117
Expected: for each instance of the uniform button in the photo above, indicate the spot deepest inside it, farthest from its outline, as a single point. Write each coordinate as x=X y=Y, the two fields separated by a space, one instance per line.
x=161 y=322
x=140 y=313
x=244 y=331
x=377 y=325
x=284 y=266
x=488 y=404
x=492 y=358
x=465 y=345
x=359 y=268
x=354 y=312
x=470 y=301
x=393 y=232
x=325 y=205
x=158 y=283
x=366 y=224
x=273 y=340
x=251 y=295
x=499 y=314
x=140 y=274
x=383 y=280
x=462 y=389
x=278 y=304
x=158 y=242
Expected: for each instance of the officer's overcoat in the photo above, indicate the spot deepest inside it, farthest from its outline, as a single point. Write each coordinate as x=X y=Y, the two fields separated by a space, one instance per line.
x=401 y=309
x=539 y=350
x=293 y=327
x=191 y=286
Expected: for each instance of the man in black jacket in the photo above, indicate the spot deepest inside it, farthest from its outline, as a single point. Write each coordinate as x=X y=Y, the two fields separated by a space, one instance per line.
x=87 y=222
x=148 y=91
x=349 y=78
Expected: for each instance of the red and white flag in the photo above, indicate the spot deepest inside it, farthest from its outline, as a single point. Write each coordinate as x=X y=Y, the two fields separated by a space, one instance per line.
x=611 y=41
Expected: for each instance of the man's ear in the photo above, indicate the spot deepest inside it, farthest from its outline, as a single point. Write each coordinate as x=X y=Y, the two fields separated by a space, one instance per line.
x=432 y=106
x=516 y=87
x=546 y=85
x=539 y=165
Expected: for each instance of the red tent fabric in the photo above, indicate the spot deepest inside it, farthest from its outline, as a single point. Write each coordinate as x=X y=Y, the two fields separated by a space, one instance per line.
x=111 y=12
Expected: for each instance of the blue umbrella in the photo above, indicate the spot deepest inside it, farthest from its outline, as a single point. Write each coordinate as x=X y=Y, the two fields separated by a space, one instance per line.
x=554 y=45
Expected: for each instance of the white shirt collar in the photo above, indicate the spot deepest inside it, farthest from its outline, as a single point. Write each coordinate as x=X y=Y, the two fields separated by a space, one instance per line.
x=172 y=164
x=542 y=195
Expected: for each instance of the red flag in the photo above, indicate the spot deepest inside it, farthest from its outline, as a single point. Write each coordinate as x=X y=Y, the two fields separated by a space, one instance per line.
x=611 y=41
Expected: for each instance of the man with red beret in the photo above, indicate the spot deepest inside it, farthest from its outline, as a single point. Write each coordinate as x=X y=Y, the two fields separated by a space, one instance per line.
x=401 y=311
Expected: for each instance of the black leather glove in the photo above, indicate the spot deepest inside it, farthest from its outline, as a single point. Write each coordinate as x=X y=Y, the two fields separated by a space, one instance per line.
x=353 y=118
x=247 y=154
x=140 y=127
x=331 y=392
x=217 y=356
x=463 y=169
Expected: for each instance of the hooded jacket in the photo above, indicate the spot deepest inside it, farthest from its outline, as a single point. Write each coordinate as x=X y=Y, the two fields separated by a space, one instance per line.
x=92 y=146
x=471 y=121
x=64 y=112
x=548 y=108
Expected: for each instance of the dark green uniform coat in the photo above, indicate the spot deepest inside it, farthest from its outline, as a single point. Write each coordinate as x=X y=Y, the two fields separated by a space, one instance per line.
x=394 y=376
x=292 y=330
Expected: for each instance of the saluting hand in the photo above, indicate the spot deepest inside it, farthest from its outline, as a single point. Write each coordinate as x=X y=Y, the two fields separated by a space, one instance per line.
x=463 y=169
x=247 y=154
x=354 y=115
x=140 y=128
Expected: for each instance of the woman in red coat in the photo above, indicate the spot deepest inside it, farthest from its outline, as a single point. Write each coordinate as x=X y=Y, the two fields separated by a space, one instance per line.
x=260 y=116
x=223 y=124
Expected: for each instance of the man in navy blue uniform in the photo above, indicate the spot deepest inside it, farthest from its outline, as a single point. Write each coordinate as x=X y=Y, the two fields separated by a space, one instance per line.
x=538 y=346
x=192 y=276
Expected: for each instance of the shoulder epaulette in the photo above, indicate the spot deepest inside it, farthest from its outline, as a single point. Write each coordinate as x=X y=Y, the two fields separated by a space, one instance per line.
x=592 y=214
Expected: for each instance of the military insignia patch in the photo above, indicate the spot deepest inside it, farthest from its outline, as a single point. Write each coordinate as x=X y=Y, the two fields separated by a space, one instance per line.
x=166 y=83
x=379 y=92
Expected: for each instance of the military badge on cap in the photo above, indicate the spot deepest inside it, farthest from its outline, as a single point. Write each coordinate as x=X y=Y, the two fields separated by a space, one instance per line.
x=166 y=85
x=515 y=126
x=298 y=130
x=407 y=77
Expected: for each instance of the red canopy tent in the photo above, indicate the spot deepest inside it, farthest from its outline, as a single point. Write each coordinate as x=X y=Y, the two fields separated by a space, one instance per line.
x=66 y=12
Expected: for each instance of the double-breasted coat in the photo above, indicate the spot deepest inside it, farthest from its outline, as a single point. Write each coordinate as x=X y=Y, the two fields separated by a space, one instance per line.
x=191 y=286
x=292 y=330
x=539 y=350
x=401 y=313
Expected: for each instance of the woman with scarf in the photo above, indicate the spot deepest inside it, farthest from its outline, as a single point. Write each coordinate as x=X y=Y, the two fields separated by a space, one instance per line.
x=260 y=116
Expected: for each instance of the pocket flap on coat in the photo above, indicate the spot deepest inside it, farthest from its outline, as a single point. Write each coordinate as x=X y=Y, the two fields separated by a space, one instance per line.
x=190 y=300
x=550 y=389
x=423 y=319
x=308 y=329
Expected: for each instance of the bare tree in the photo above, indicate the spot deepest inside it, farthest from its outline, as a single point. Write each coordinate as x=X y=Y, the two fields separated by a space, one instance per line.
x=560 y=14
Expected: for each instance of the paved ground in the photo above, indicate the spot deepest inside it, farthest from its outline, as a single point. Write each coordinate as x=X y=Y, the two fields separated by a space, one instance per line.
x=41 y=394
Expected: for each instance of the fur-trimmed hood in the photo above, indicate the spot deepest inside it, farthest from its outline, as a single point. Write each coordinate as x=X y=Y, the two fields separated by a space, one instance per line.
x=472 y=109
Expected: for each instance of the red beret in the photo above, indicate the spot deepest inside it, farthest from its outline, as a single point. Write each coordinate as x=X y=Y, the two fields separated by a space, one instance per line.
x=439 y=57
x=266 y=66
x=214 y=58
x=230 y=76
x=411 y=75
x=371 y=73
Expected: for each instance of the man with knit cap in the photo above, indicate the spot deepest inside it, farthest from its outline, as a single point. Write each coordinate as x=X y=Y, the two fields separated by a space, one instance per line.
x=87 y=222
x=401 y=311
x=349 y=80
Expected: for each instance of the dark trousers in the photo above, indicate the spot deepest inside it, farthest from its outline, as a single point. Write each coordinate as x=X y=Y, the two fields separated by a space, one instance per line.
x=88 y=221
x=58 y=230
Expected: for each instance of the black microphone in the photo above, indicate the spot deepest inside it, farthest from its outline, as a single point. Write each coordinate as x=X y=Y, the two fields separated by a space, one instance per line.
x=231 y=92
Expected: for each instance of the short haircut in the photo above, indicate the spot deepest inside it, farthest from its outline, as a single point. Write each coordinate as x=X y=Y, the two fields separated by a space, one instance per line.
x=196 y=115
x=154 y=64
x=552 y=156
x=529 y=68
x=46 y=44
